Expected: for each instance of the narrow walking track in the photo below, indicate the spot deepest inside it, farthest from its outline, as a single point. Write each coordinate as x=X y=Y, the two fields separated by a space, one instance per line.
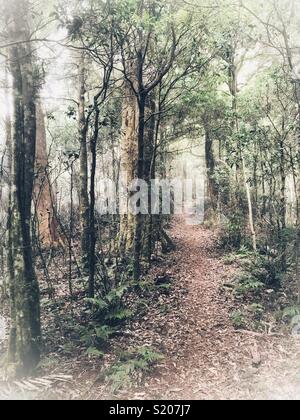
x=204 y=356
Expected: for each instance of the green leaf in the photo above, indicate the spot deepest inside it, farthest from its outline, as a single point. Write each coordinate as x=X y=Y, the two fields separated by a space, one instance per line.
x=120 y=315
x=291 y=311
x=103 y=332
x=99 y=303
x=93 y=351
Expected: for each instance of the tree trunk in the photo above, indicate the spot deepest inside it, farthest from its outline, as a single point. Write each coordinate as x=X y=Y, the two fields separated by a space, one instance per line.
x=129 y=161
x=241 y=169
x=139 y=219
x=149 y=170
x=83 y=177
x=212 y=188
x=250 y=206
x=7 y=179
x=92 y=229
x=282 y=233
x=25 y=334
x=43 y=194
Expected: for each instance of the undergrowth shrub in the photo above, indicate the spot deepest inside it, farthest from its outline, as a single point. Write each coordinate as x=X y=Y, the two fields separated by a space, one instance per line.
x=106 y=315
x=237 y=319
x=258 y=287
x=110 y=308
x=232 y=231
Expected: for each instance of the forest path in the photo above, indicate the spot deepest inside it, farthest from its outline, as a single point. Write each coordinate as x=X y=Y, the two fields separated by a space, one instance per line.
x=205 y=356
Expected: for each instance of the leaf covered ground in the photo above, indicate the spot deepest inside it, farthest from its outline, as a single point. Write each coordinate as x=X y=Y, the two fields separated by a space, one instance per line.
x=185 y=318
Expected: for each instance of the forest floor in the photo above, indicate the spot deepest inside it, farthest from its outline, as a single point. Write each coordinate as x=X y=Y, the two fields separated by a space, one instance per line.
x=205 y=356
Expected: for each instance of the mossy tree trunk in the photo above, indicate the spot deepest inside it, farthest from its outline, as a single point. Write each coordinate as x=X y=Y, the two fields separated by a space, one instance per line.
x=5 y=180
x=25 y=334
x=212 y=187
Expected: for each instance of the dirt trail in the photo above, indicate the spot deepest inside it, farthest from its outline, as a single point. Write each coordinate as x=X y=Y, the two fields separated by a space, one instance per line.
x=205 y=357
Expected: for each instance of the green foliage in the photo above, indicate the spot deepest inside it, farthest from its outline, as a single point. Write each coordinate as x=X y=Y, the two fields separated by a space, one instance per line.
x=95 y=335
x=130 y=364
x=164 y=287
x=98 y=304
x=291 y=312
x=266 y=267
x=248 y=285
x=259 y=270
x=240 y=256
x=230 y=259
x=145 y=286
x=119 y=315
x=69 y=348
x=110 y=308
x=232 y=231
x=119 y=375
x=107 y=313
x=149 y=355
x=256 y=309
x=103 y=332
x=115 y=295
x=238 y=319
x=94 y=352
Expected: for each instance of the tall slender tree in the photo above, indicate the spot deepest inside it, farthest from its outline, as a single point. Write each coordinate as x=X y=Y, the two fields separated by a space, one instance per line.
x=25 y=333
x=83 y=176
